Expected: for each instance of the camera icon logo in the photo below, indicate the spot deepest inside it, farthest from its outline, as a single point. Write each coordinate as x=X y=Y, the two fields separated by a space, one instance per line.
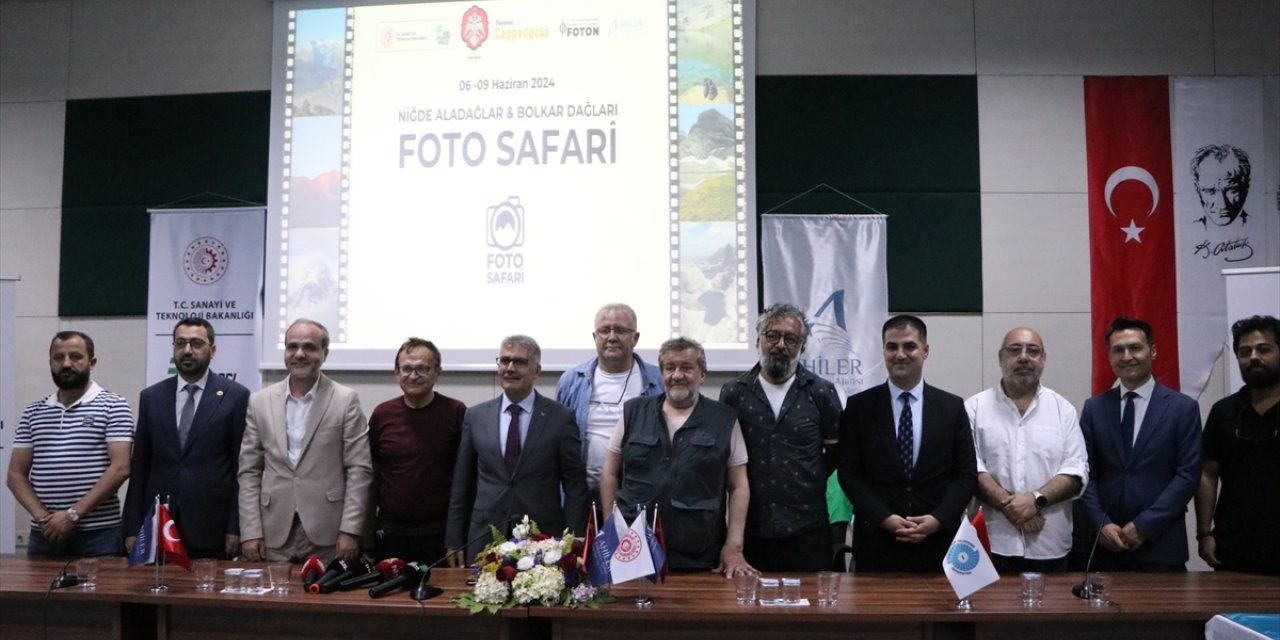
x=506 y=225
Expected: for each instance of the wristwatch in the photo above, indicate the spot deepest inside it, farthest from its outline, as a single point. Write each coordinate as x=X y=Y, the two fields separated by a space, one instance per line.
x=1041 y=501
x=73 y=515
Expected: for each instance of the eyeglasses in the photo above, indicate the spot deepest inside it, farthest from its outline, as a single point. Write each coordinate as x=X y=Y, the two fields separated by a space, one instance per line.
x=505 y=361
x=789 y=339
x=621 y=332
x=1032 y=351
x=421 y=370
x=194 y=343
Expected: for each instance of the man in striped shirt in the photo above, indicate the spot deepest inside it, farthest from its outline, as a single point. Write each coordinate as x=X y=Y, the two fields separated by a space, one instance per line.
x=70 y=456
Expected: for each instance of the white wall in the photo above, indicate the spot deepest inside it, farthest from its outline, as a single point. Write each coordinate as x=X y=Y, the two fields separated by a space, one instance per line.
x=1029 y=58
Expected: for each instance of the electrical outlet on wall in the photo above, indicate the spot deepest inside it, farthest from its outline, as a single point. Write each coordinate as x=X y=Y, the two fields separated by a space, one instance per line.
x=21 y=539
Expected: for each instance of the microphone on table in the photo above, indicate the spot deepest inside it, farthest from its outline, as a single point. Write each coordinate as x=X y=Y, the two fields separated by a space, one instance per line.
x=63 y=580
x=311 y=571
x=328 y=583
x=385 y=570
x=1081 y=590
x=424 y=590
x=409 y=576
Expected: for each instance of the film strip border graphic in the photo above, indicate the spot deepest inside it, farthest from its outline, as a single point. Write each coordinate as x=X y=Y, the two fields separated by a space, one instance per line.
x=673 y=155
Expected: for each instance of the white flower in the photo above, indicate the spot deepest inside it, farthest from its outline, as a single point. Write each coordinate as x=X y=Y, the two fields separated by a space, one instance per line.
x=521 y=530
x=541 y=583
x=551 y=556
x=507 y=548
x=490 y=590
x=525 y=563
x=584 y=592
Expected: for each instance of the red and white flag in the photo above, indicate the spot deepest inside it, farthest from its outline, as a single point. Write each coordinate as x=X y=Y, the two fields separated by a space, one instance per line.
x=174 y=551
x=1131 y=247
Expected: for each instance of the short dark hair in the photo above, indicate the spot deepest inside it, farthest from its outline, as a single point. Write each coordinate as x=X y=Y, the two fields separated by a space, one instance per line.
x=1124 y=323
x=683 y=344
x=1220 y=152
x=195 y=322
x=67 y=335
x=418 y=343
x=1253 y=324
x=904 y=321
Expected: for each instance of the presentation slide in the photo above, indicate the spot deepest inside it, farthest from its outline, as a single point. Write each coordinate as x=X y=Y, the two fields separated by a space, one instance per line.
x=463 y=171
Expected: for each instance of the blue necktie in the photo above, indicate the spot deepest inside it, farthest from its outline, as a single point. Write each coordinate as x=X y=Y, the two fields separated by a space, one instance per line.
x=906 y=440
x=1126 y=422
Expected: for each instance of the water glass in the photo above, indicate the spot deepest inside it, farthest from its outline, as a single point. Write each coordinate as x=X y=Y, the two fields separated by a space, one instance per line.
x=1100 y=589
x=828 y=588
x=204 y=570
x=87 y=572
x=791 y=590
x=279 y=573
x=232 y=578
x=251 y=581
x=746 y=584
x=770 y=591
x=1032 y=589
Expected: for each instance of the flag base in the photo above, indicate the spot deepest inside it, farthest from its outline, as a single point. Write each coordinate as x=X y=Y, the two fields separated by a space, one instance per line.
x=642 y=599
x=159 y=588
x=964 y=604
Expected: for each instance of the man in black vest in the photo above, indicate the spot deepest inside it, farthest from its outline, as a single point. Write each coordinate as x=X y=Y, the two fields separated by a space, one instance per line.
x=682 y=452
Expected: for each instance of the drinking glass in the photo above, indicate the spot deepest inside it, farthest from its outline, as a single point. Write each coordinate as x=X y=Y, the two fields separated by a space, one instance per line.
x=746 y=584
x=87 y=572
x=828 y=588
x=280 y=573
x=1032 y=589
x=204 y=569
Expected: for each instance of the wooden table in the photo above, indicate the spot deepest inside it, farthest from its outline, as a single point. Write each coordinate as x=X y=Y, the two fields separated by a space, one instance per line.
x=686 y=606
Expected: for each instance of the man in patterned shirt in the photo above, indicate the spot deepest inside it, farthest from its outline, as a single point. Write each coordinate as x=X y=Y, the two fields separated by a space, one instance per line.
x=790 y=419
x=70 y=456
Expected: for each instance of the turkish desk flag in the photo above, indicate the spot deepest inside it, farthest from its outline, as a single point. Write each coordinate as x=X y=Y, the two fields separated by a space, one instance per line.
x=1131 y=241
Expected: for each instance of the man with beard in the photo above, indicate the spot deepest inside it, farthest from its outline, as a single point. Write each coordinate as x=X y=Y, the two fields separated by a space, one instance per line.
x=186 y=447
x=1031 y=460
x=1143 y=440
x=519 y=455
x=596 y=389
x=789 y=419
x=906 y=460
x=1236 y=528
x=70 y=456
x=682 y=453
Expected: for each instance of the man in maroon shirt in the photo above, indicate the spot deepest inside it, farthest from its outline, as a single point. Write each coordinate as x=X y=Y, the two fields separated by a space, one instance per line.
x=414 y=440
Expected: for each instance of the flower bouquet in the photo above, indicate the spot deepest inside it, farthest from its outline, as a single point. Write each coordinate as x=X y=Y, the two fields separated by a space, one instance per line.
x=532 y=567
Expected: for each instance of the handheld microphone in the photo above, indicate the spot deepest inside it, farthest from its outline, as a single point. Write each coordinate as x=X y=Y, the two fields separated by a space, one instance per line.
x=328 y=583
x=408 y=576
x=383 y=571
x=311 y=571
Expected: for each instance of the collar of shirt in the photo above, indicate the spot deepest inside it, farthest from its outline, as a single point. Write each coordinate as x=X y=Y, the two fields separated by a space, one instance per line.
x=88 y=397
x=1004 y=399
x=201 y=384
x=917 y=414
x=1140 y=403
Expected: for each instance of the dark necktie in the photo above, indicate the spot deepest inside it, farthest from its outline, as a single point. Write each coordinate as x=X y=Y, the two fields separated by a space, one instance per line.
x=188 y=412
x=1126 y=421
x=512 y=454
x=906 y=441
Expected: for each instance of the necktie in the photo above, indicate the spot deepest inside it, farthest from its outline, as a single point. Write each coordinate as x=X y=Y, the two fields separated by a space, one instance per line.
x=188 y=412
x=1126 y=421
x=512 y=454
x=906 y=441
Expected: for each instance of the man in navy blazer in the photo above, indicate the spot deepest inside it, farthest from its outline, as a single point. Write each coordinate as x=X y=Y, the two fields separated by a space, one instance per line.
x=907 y=460
x=520 y=453
x=1143 y=440
x=196 y=470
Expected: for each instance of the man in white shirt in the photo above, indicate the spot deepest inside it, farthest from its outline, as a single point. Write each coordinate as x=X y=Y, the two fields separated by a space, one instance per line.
x=1032 y=460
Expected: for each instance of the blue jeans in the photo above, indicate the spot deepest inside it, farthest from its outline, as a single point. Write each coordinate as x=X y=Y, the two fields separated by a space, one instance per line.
x=95 y=542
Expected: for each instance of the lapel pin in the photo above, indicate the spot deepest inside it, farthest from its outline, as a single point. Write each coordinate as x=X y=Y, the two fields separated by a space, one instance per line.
x=219 y=393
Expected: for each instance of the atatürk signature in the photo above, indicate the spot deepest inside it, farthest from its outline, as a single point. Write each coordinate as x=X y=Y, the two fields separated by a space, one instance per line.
x=1237 y=250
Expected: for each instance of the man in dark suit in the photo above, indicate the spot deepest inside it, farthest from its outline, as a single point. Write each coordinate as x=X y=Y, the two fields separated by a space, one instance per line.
x=520 y=452
x=186 y=447
x=1143 y=440
x=907 y=460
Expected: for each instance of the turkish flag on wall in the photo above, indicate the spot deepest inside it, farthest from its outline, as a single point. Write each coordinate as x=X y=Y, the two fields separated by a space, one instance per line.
x=1131 y=245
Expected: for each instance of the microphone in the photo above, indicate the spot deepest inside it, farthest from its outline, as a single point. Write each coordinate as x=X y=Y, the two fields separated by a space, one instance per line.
x=423 y=590
x=408 y=576
x=1081 y=590
x=383 y=571
x=311 y=571
x=62 y=580
x=328 y=583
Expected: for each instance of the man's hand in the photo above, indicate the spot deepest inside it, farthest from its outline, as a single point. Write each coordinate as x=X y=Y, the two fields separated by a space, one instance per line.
x=1132 y=537
x=129 y=542
x=1110 y=539
x=732 y=562
x=1019 y=507
x=925 y=526
x=1033 y=525
x=1209 y=550
x=454 y=558
x=348 y=546
x=232 y=546
x=252 y=549
x=57 y=527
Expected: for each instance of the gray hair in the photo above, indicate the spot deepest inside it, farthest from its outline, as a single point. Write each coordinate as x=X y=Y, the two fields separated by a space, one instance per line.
x=324 y=337
x=529 y=344
x=782 y=310
x=683 y=344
